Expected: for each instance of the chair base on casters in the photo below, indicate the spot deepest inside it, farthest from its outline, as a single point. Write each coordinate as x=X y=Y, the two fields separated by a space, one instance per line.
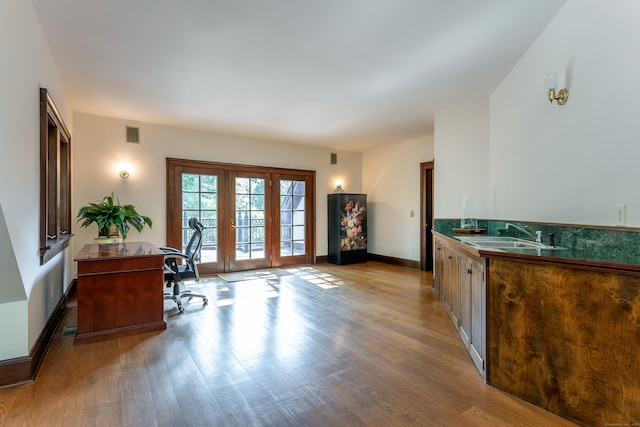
x=177 y=296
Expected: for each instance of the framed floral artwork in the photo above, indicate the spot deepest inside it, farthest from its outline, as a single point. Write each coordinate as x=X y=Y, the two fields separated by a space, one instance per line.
x=353 y=223
x=347 y=228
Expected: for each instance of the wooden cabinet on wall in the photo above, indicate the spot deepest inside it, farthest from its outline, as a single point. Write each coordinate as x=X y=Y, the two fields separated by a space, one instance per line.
x=460 y=281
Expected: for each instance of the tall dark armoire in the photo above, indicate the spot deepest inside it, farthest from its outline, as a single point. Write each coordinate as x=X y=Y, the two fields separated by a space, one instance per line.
x=347 y=228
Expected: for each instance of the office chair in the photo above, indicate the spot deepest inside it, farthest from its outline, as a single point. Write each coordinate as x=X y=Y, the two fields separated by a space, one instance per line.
x=175 y=273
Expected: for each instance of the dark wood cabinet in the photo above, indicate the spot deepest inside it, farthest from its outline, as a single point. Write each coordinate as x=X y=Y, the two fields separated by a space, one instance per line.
x=566 y=338
x=473 y=286
x=120 y=290
x=557 y=331
x=347 y=216
x=438 y=265
x=464 y=289
x=451 y=286
x=55 y=180
x=461 y=282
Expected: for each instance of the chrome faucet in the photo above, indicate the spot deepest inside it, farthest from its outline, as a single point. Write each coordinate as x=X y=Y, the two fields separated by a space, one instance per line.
x=537 y=236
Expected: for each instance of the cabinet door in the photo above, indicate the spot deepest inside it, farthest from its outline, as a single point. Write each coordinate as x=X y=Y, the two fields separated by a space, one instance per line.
x=451 y=278
x=465 y=308
x=445 y=280
x=438 y=267
x=477 y=347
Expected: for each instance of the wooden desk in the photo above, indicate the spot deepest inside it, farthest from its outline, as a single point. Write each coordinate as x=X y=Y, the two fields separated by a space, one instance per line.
x=119 y=291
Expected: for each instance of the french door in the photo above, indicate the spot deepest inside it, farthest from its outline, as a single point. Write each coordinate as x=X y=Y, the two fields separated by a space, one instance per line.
x=255 y=217
x=250 y=221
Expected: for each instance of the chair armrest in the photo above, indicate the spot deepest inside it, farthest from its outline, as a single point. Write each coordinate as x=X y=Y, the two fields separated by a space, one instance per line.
x=169 y=269
x=173 y=253
x=176 y=255
x=169 y=250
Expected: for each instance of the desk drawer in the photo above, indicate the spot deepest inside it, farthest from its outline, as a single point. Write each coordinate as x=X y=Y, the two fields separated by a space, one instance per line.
x=93 y=266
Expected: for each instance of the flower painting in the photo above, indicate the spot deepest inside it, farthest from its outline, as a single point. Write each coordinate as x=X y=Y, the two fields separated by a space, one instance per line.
x=353 y=228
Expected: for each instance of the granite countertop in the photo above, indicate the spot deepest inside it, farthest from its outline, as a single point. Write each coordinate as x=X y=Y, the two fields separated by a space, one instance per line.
x=600 y=252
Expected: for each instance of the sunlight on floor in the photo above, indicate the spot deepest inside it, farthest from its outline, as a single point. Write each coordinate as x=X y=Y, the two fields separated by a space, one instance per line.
x=257 y=286
x=317 y=277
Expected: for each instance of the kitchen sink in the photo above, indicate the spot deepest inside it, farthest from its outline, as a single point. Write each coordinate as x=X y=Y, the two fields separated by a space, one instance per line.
x=506 y=245
x=503 y=242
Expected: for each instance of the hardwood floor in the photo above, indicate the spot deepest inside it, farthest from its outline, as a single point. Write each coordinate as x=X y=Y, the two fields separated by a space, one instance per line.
x=376 y=349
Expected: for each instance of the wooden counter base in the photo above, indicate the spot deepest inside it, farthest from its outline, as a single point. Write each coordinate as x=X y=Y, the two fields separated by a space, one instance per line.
x=119 y=291
x=566 y=340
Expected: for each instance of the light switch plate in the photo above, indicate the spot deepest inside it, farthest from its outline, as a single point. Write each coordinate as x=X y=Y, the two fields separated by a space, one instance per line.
x=621 y=214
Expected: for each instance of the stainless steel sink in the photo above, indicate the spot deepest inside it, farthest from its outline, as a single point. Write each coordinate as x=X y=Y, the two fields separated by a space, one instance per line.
x=500 y=242
x=508 y=245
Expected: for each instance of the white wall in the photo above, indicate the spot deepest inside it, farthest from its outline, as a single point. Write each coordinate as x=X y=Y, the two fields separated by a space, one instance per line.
x=391 y=177
x=99 y=146
x=26 y=66
x=461 y=158
x=571 y=163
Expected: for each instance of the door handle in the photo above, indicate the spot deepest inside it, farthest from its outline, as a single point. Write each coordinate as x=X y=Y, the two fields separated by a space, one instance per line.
x=233 y=224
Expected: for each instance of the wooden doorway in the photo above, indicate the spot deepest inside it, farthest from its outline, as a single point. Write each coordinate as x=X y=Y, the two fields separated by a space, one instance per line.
x=255 y=217
x=426 y=216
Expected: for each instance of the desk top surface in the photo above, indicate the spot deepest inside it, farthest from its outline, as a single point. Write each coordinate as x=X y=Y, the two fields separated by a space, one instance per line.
x=95 y=251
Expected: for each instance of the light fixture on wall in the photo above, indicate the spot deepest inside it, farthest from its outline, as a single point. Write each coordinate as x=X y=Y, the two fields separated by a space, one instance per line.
x=551 y=86
x=124 y=170
x=339 y=188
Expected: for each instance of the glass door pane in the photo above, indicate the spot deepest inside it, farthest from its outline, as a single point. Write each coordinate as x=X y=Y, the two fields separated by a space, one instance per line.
x=292 y=218
x=250 y=222
x=293 y=238
x=200 y=201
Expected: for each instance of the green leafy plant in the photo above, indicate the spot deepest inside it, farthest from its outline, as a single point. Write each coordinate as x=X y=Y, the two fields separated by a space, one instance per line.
x=107 y=214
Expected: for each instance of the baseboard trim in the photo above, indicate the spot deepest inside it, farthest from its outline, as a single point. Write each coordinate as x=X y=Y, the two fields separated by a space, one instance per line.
x=15 y=371
x=21 y=370
x=394 y=261
x=322 y=259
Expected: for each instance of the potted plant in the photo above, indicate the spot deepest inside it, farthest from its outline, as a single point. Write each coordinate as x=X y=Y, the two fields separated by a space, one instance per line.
x=113 y=219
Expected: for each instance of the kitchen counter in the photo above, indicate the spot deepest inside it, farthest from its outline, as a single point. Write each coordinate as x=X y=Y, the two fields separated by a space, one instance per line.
x=592 y=252
x=563 y=326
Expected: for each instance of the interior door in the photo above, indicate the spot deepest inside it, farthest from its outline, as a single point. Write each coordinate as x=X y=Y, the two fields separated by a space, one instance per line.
x=426 y=216
x=250 y=223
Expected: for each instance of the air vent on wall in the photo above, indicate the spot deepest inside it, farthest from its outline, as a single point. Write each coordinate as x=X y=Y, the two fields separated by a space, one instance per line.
x=334 y=158
x=133 y=135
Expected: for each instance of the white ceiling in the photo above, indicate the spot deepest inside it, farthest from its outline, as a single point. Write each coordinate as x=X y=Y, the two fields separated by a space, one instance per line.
x=346 y=74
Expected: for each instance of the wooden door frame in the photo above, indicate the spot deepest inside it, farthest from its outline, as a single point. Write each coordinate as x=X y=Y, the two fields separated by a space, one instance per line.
x=174 y=166
x=230 y=261
x=173 y=236
x=309 y=194
x=426 y=217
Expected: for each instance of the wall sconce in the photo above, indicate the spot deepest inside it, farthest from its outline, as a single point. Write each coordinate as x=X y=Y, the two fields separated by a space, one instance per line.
x=551 y=86
x=123 y=170
x=339 y=188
